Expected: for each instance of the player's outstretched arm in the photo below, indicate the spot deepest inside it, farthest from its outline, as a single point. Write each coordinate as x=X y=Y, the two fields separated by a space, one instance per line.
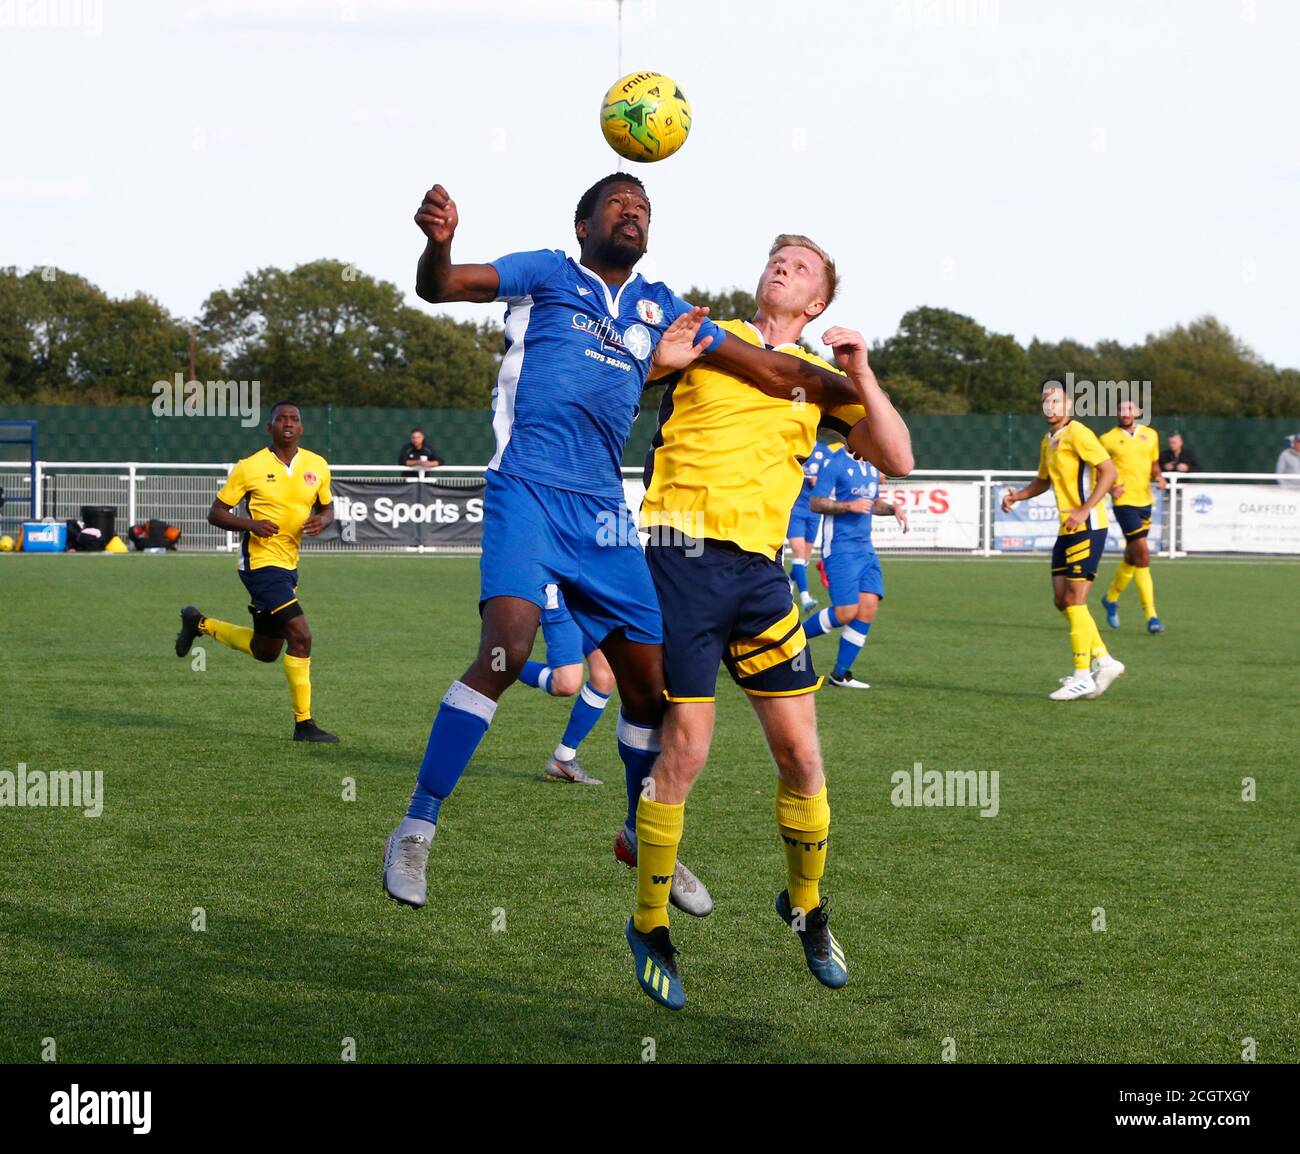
x=781 y=375
x=1029 y=492
x=883 y=437
x=437 y=280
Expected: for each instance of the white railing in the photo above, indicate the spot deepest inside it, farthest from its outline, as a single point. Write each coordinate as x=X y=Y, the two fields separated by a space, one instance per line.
x=951 y=511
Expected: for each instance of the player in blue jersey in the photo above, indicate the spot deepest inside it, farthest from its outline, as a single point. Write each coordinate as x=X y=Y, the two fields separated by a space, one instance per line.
x=847 y=494
x=804 y=524
x=561 y=676
x=580 y=336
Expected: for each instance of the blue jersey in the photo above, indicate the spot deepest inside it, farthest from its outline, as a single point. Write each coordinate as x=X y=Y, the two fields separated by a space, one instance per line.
x=845 y=478
x=812 y=467
x=576 y=360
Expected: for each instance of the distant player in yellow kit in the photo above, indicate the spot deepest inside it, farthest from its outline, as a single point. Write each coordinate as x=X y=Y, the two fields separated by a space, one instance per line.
x=1072 y=463
x=1135 y=449
x=288 y=492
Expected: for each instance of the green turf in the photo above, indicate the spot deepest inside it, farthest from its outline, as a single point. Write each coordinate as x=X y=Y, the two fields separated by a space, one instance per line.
x=955 y=925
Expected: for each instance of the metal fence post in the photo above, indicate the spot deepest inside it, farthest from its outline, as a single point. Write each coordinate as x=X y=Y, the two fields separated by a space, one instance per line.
x=1172 y=519
x=130 y=495
x=988 y=515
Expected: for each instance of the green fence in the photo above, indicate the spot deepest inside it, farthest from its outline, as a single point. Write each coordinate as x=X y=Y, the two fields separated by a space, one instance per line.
x=368 y=436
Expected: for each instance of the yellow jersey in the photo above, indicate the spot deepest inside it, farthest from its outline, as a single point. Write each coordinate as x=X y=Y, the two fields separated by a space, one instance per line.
x=727 y=461
x=1069 y=459
x=1133 y=453
x=285 y=494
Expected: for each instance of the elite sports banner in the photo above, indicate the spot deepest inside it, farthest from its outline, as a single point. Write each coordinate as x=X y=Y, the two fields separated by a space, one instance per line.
x=407 y=513
x=1031 y=526
x=1239 y=518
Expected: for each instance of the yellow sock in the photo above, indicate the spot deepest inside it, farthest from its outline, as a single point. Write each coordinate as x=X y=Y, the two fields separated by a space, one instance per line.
x=658 y=834
x=236 y=636
x=1123 y=575
x=1098 y=646
x=1147 y=591
x=298 y=671
x=1082 y=631
x=804 y=823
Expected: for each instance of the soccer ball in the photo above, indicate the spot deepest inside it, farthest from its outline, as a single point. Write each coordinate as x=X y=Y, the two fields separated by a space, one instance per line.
x=6 y=544
x=645 y=116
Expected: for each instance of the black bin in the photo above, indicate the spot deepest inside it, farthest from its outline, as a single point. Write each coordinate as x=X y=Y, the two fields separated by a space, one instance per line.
x=101 y=517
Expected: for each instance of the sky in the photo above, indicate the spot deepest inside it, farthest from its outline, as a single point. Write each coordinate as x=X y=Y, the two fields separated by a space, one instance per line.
x=1093 y=170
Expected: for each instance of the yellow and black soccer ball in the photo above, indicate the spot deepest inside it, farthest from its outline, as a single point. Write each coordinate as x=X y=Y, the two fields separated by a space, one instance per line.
x=645 y=116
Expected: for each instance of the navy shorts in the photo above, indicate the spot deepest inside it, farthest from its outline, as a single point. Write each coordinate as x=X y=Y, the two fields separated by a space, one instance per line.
x=1134 y=520
x=538 y=537
x=804 y=523
x=850 y=572
x=1076 y=556
x=274 y=594
x=565 y=643
x=723 y=605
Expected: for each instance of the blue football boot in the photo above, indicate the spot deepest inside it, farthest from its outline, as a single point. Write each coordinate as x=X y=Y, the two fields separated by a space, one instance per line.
x=823 y=953
x=656 y=965
x=1112 y=612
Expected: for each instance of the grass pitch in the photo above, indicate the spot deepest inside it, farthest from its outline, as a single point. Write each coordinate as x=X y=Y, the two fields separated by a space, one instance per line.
x=956 y=926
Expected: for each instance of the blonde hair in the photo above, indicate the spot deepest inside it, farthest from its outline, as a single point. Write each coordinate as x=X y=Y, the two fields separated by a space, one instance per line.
x=796 y=240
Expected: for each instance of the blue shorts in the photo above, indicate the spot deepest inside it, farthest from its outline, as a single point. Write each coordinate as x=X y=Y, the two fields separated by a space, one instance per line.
x=850 y=572
x=1134 y=520
x=1076 y=556
x=587 y=547
x=565 y=642
x=273 y=597
x=722 y=605
x=804 y=523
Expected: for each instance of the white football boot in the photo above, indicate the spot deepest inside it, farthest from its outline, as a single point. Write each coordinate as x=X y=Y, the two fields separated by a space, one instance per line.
x=1078 y=684
x=1104 y=671
x=406 y=854
x=846 y=682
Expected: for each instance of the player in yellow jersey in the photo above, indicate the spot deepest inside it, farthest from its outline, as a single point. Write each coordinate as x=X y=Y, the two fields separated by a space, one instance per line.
x=288 y=494
x=1072 y=463
x=1135 y=449
x=722 y=473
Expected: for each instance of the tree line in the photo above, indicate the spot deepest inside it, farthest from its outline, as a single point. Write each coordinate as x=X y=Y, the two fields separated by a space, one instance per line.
x=326 y=333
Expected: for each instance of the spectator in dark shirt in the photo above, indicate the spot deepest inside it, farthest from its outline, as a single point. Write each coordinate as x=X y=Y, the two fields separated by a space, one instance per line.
x=1178 y=457
x=419 y=452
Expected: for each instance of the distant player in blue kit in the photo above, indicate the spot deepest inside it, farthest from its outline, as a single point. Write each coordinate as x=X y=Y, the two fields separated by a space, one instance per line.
x=580 y=337
x=561 y=676
x=847 y=494
x=804 y=524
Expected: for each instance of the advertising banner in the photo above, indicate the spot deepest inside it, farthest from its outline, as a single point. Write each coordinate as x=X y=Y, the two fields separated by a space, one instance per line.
x=1239 y=518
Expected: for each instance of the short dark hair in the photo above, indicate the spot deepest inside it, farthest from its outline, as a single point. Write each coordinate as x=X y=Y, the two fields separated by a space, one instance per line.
x=1053 y=381
x=280 y=405
x=587 y=203
x=417 y=429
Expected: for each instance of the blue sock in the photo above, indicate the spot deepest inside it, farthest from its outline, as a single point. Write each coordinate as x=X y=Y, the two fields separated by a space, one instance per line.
x=537 y=675
x=799 y=572
x=819 y=623
x=638 y=746
x=852 y=638
x=586 y=711
x=463 y=718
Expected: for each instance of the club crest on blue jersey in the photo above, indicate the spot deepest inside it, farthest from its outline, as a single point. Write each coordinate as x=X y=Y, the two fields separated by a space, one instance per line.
x=650 y=312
